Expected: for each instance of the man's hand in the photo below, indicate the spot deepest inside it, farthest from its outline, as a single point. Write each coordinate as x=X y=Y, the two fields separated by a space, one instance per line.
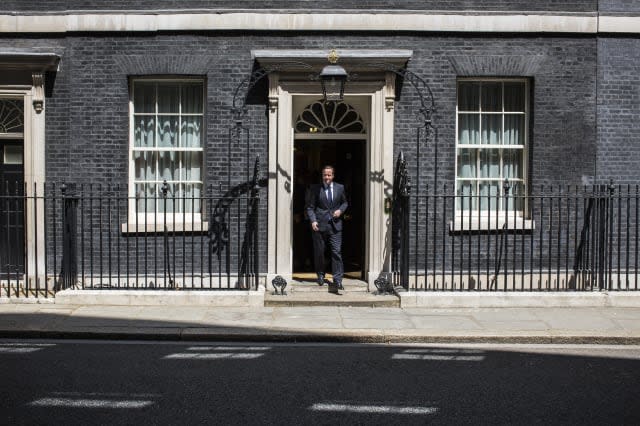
x=337 y=213
x=314 y=226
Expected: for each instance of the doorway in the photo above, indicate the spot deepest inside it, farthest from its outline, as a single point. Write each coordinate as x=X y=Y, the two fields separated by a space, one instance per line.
x=12 y=208
x=348 y=157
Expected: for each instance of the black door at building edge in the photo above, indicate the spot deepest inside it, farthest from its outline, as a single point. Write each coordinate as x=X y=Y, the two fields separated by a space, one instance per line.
x=348 y=159
x=12 y=209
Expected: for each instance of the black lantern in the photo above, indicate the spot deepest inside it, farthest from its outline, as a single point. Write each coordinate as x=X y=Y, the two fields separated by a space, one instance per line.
x=333 y=78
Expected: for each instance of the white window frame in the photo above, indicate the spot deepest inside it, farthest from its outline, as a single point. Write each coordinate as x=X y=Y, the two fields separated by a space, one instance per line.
x=476 y=219
x=151 y=221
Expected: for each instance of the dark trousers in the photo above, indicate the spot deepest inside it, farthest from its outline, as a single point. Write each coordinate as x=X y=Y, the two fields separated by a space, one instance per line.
x=334 y=240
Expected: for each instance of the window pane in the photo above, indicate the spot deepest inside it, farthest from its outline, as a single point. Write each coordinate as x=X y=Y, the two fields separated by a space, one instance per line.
x=512 y=164
x=466 y=192
x=13 y=155
x=490 y=163
x=467 y=163
x=514 y=129
x=190 y=132
x=468 y=128
x=492 y=129
x=144 y=132
x=166 y=205
x=168 y=165
x=176 y=123
x=168 y=98
x=489 y=194
x=144 y=97
x=492 y=96
x=514 y=96
x=168 y=131
x=145 y=198
x=515 y=201
x=468 y=96
x=193 y=194
x=192 y=98
x=192 y=162
x=145 y=165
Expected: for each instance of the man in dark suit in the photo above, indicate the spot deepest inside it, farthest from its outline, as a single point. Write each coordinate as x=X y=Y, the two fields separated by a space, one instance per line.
x=326 y=204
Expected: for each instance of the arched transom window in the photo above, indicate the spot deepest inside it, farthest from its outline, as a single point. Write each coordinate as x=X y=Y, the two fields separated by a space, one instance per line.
x=329 y=117
x=11 y=116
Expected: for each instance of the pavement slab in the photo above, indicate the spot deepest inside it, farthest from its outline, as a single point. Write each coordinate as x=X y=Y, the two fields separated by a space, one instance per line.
x=324 y=323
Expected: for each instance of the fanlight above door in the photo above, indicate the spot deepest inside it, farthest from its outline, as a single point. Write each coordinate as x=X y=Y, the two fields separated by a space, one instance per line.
x=11 y=116
x=329 y=117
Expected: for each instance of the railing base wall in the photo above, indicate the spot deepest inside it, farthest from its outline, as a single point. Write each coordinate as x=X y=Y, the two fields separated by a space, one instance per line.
x=232 y=298
x=538 y=281
x=452 y=299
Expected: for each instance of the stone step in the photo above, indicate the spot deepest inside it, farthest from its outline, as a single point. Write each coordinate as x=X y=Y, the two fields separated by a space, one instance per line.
x=312 y=286
x=305 y=291
x=324 y=298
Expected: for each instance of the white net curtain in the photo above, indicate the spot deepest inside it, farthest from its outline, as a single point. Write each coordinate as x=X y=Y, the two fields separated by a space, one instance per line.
x=491 y=143
x=168 y=144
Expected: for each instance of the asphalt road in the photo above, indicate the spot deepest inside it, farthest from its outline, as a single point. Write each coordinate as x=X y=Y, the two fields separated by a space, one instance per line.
x=84 y=382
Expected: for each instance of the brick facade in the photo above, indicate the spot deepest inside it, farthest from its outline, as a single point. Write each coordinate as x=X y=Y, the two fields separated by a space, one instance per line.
x=585 y=92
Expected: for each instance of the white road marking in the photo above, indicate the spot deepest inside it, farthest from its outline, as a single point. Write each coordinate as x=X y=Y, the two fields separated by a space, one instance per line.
x=443 y=351
x=224 y=355
x=439 y=357
x=373 y=409
x=18 y=350
x=228 y=348
x=89 y=403
x=27 y=344
x=440 y=354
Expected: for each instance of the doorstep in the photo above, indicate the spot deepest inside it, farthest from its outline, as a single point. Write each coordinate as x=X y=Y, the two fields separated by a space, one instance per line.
x=309 y=293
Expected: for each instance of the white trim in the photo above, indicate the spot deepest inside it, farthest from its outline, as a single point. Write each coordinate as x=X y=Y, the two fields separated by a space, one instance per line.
x=149 y=227
x=149 y=222
x=319 y=20
x=378 y=117
x=479 y=146
x=463 y=223
x=619 y=24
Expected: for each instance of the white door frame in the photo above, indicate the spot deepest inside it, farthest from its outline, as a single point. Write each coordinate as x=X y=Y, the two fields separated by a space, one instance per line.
x=379 y=171
x=34 y=174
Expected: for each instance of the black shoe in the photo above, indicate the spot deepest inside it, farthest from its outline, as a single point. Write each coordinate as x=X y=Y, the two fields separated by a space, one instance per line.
x=320 y=280
x=333 y=289
x=340 y=286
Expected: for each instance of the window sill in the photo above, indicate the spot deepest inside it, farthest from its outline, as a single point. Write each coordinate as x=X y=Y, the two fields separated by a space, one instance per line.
x=460 y=224
x=158 y=228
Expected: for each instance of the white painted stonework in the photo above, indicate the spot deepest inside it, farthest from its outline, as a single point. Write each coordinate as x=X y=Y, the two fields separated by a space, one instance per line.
x=319 y=20
x=374 y=98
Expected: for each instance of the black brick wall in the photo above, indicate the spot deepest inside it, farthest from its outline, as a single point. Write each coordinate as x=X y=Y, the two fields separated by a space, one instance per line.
x=87 y=109
x=619 y=109
x=87 y=112
x=484 y=5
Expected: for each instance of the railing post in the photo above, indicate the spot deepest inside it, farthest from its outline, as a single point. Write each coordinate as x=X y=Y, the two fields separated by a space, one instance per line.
x=165 y=237
x=69 y=267
x=256 y=224
x=405 y=206
x=610 y=193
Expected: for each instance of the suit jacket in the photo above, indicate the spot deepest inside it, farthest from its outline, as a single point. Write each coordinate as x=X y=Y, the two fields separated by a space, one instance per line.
x=320 y=210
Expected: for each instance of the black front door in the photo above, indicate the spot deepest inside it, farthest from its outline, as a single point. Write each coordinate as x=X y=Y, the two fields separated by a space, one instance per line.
x=348 y=159
x=12 y=208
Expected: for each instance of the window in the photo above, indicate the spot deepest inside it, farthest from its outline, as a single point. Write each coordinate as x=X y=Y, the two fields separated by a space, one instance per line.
x=492 y=127
x=166 y=144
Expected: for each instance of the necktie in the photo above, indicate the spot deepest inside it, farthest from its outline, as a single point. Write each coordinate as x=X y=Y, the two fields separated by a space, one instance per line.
x=329 y=194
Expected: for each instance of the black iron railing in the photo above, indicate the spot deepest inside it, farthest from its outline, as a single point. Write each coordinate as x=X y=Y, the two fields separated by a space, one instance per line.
x=92 y=236
x=552 y=239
